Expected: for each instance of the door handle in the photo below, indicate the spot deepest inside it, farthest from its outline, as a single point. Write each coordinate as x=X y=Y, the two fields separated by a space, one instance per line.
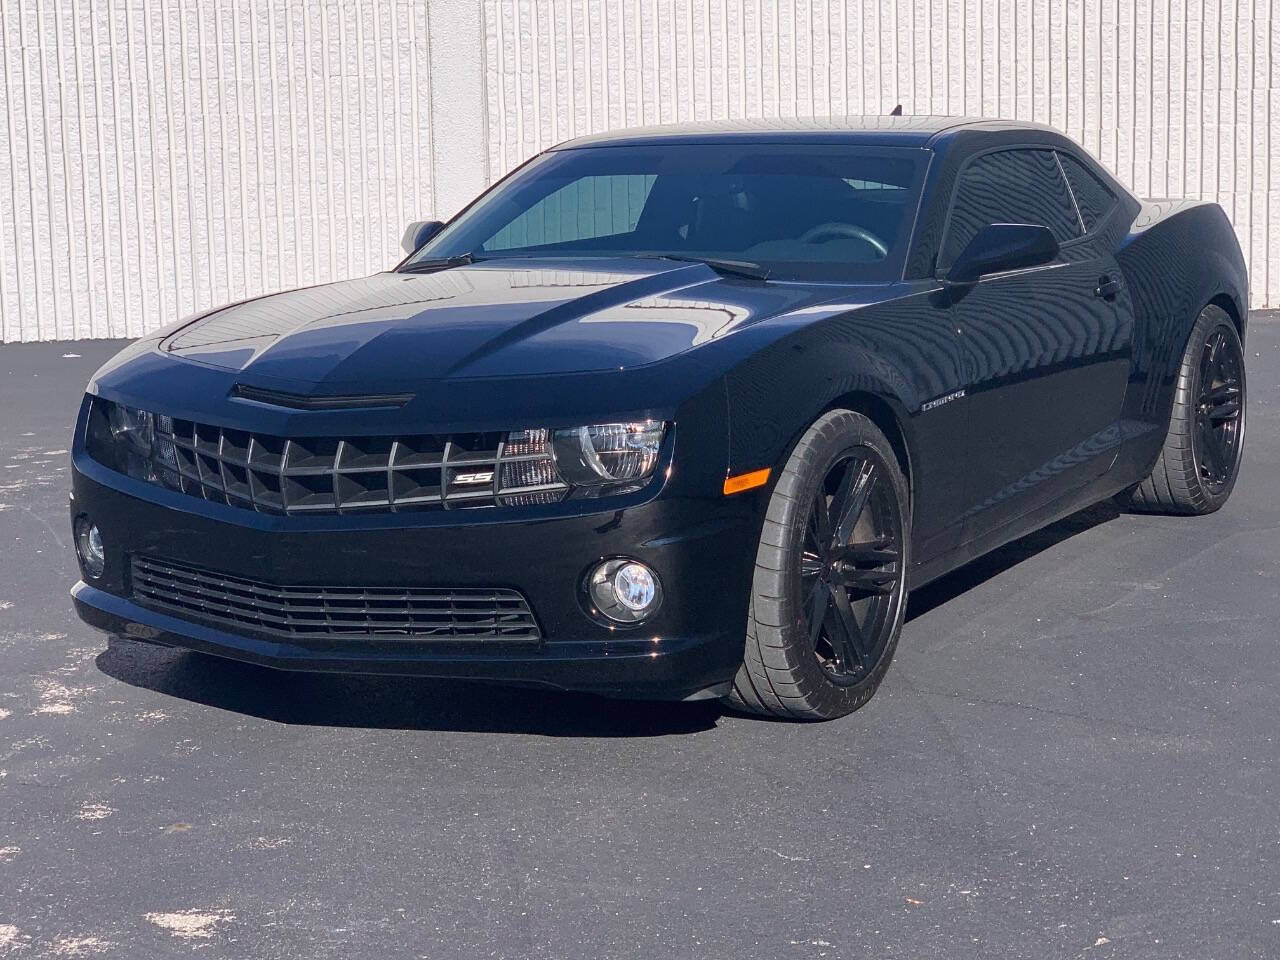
x=1107 y=287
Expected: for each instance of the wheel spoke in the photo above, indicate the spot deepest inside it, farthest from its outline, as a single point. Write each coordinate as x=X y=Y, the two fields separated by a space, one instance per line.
x=1226 y=391
x=1224 y=411
x=874 y=552
x=1209 y=449
x=1206 y=363
x=812 y=545
x=855 y=500
x=1221 y=400
x=816 y=605
x=860 y=566
x=844 y=633
x=810 y=564
x=1209 y=365
x=818 y=528
x=1225 y=437
x=865 y=581
x=835 y=506
x=1214 y=345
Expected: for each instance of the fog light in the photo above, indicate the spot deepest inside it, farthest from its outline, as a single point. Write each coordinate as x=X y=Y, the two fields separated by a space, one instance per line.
x=89 y=548
x=624 y=591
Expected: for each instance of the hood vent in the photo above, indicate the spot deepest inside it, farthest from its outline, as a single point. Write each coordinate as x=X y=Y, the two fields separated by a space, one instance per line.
x=296 y=401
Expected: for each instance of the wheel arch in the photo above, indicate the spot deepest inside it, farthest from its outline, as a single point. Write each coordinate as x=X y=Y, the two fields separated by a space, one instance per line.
x=880 y=412
x=1229 y=305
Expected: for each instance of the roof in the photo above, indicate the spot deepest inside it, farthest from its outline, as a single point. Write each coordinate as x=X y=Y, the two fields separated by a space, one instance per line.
x=916 y=131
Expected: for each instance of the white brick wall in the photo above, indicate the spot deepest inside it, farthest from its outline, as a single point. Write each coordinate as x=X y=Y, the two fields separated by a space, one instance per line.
x=160 y=156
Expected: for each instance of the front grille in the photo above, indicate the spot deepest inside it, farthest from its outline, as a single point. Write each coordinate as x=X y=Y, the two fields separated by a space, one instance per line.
x=312 y=613
x=363 y=474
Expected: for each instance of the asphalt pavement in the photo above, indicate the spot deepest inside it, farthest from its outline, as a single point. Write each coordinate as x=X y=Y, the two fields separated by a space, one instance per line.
x=1074 y=755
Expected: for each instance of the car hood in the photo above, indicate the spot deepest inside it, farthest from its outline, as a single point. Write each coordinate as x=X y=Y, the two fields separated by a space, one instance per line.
x=483 y=320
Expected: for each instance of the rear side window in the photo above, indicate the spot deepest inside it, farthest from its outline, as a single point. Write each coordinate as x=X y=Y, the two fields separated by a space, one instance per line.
x=1093 y=197
x=1010 y=186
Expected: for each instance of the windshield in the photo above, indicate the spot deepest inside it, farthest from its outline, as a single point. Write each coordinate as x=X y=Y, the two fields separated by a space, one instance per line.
x=820 y=211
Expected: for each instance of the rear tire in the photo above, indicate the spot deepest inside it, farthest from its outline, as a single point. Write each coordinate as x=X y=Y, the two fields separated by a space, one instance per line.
x=1198 y=465
x=829 y=589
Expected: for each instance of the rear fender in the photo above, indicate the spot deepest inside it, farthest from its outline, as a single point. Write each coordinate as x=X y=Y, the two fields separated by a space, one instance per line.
x=1177 y=257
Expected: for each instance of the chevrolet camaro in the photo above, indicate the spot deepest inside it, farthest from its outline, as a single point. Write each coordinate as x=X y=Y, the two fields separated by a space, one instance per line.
x=677 y=412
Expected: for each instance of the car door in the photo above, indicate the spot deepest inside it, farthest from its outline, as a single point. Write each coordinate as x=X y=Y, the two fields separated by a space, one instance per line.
x=1047 y=349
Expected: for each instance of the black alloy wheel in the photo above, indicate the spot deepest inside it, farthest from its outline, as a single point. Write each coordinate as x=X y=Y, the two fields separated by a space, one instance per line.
x=1219 y=408
x=851 y=567
x=1200 y=460
x=830 y=583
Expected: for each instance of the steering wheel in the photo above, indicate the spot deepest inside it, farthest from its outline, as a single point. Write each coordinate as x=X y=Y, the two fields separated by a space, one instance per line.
x=829 y=231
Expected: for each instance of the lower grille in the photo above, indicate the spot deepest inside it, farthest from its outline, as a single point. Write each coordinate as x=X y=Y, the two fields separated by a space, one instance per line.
x=311 y=613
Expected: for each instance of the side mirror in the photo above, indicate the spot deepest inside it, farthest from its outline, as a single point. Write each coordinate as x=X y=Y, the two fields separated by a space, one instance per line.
x=418 y=233
x=1003 y=246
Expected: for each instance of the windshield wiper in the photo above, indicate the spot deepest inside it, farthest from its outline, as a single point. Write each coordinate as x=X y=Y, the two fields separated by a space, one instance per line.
x=442 y=263
x=740 y=268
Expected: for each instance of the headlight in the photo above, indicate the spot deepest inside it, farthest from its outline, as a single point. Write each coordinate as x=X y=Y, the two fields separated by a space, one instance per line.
x=134 y=442
x=608 y=452
x=121 y=438
x=135 y=429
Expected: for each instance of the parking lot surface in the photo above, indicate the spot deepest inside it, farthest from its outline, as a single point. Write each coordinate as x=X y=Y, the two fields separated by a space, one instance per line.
x=1074 y=755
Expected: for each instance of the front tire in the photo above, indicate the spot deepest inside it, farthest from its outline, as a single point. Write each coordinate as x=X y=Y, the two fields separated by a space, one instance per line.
x=829 y=590
x=1198 y=465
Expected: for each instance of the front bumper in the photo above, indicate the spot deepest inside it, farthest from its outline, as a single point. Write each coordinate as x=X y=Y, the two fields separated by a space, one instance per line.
x=702 y=549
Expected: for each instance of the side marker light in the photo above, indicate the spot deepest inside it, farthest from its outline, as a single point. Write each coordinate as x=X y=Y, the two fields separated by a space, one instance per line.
x=746 y=481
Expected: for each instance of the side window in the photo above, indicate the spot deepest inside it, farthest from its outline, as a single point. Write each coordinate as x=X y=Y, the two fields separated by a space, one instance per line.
x=1010 y=186
x=1093 y=197
x=583 y=209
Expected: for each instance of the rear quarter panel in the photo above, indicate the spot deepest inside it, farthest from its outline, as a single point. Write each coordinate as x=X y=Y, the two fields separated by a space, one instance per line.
x=1177 y=257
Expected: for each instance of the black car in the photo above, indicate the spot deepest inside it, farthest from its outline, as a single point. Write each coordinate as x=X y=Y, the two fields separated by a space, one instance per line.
x=677 y=412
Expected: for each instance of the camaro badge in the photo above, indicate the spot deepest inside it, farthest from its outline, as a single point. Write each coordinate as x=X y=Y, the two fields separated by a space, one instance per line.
x=939 y=401
x=484 y=476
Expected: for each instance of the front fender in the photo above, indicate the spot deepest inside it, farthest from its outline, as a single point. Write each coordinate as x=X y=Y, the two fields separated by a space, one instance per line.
x=901 y=358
